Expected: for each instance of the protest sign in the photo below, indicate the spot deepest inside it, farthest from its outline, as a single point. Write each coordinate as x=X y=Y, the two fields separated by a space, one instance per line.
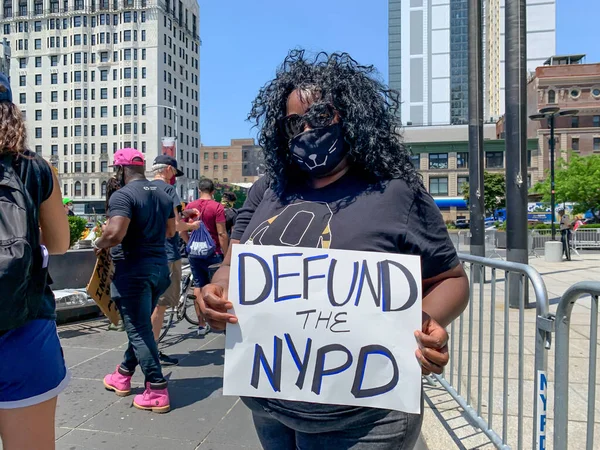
x=324 y=326
x=99 y=287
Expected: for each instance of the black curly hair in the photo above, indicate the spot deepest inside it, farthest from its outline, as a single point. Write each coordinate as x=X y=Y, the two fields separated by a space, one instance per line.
x=366 y=106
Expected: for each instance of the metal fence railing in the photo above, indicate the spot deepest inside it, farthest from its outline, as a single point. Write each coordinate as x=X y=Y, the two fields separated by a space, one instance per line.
x=586 y=238
x=562 y=366
x=481 y=379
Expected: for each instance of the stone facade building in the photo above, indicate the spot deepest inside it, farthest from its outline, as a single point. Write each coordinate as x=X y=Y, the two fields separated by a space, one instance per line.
x=239 y=162
x=93 y=76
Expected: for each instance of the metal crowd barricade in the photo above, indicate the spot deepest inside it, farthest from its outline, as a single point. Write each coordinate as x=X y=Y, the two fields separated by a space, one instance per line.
x=490 y=245
x=461 y=347
x=586 y=238
x=561 y=363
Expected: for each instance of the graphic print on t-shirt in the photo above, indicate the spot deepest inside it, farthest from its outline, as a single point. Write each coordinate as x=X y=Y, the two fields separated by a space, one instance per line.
x=303 y=224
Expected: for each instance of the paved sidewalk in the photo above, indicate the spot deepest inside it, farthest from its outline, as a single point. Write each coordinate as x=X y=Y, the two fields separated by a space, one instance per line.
x=445 y=427
x=89 y=417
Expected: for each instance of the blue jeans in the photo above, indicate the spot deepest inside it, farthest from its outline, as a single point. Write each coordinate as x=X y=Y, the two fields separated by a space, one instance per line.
x=201 y=270
x=135 y=290
x=368 y=429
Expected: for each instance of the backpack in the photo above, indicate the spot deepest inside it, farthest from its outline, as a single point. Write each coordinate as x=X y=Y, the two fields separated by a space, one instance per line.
x=21 y=281
x=201 y=244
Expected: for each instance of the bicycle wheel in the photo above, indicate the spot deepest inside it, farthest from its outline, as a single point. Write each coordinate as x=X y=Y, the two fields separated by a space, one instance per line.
x=167 y=323
x=189 y=312
x=185 y=285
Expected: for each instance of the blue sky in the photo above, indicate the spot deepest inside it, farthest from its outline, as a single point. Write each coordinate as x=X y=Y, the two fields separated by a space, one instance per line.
x=244 y=41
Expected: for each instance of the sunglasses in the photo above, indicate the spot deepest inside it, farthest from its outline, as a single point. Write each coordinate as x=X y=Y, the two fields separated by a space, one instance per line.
x=319 y=115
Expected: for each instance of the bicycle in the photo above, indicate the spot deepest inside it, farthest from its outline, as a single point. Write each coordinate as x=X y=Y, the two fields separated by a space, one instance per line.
x=185 y=309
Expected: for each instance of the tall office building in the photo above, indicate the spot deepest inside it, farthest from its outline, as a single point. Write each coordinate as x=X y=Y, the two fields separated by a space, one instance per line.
x=428 y=56
x=93 y=76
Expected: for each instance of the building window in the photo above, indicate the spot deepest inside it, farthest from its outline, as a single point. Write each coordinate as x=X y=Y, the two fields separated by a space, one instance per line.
x=438 y=186
x=38 y=97
x=215 y=168
x=596 y=121
x=462 y=160
x=438 y=161
x=38 y=133
x=38 y=115
x=77 y=183
x=461 y=181
x=215 y=155
x=575 y=144
x=414 y=159
x=597 y=143
x=54 y=131
x=225 y=167
x=551 y=96
x=494 y=160
x=575 y=122
x=22 y=98
x=575 y=93
x=205 y=156
x=205 y=167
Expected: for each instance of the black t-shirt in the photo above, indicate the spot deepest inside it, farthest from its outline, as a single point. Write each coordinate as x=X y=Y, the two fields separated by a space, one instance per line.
x=172 y=244
x=36 y=175
x=350 y=214
x=148 y=208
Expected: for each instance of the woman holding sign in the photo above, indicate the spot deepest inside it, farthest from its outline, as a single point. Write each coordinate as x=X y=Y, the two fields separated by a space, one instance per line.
x=328 y=129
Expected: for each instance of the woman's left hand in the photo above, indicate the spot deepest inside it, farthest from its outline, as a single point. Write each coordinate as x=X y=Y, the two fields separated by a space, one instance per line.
x=432 y=353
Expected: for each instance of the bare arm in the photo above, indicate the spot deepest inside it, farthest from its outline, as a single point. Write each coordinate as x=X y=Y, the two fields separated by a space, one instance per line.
x=115 y=231
x=446 y=295
x=223 y=237
x=54 y=224
x=171 y=227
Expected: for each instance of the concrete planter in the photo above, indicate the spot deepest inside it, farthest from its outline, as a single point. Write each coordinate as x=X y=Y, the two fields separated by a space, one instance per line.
x=500 y=239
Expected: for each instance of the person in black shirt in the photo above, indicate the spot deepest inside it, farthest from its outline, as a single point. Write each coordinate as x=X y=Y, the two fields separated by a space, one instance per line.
x=165 y=173
x=32 y=367
x=338 y=176
x=140 y=216
x=228 y=201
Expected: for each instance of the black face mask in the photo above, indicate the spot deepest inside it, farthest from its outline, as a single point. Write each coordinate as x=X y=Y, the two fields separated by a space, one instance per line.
x=319 y=151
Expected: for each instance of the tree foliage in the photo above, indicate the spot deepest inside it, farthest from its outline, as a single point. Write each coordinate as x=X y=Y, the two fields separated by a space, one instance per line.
x=494 y=195
x=577 y=181
x=76 y=227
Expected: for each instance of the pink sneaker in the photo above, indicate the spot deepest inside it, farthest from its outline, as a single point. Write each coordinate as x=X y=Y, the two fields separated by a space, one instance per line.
x=153 y=399
x=119 y=383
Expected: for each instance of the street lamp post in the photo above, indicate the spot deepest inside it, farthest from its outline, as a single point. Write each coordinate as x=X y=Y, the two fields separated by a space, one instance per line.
x=174 y=109
x=550 y=113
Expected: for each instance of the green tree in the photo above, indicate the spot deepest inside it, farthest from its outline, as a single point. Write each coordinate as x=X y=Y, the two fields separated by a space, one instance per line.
x=76 y=227
x=494 y=195
x=576 y=181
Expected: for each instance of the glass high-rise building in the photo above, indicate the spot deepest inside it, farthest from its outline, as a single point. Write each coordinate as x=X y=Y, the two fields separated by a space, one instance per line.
x=428 y=56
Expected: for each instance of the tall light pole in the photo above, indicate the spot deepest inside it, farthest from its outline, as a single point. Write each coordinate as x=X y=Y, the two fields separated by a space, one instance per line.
x=550 y=113
x=476 y=187
x=174 y=109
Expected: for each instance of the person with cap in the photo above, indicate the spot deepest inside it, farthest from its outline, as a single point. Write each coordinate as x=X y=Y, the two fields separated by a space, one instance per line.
x=34 y=225
x=165 y=173
x=140 y=216
x=68 y=205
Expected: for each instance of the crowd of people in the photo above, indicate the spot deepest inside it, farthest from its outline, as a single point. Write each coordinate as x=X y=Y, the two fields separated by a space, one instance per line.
x=329 y=131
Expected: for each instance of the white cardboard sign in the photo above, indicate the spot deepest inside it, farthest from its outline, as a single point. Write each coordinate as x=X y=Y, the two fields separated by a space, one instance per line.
x=324 y=326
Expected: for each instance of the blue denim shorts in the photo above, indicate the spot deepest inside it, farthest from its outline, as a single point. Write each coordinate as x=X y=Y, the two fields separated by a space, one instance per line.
x=32 y=367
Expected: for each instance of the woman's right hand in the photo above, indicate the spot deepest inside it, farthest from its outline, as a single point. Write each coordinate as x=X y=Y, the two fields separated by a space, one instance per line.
x=214 y=306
